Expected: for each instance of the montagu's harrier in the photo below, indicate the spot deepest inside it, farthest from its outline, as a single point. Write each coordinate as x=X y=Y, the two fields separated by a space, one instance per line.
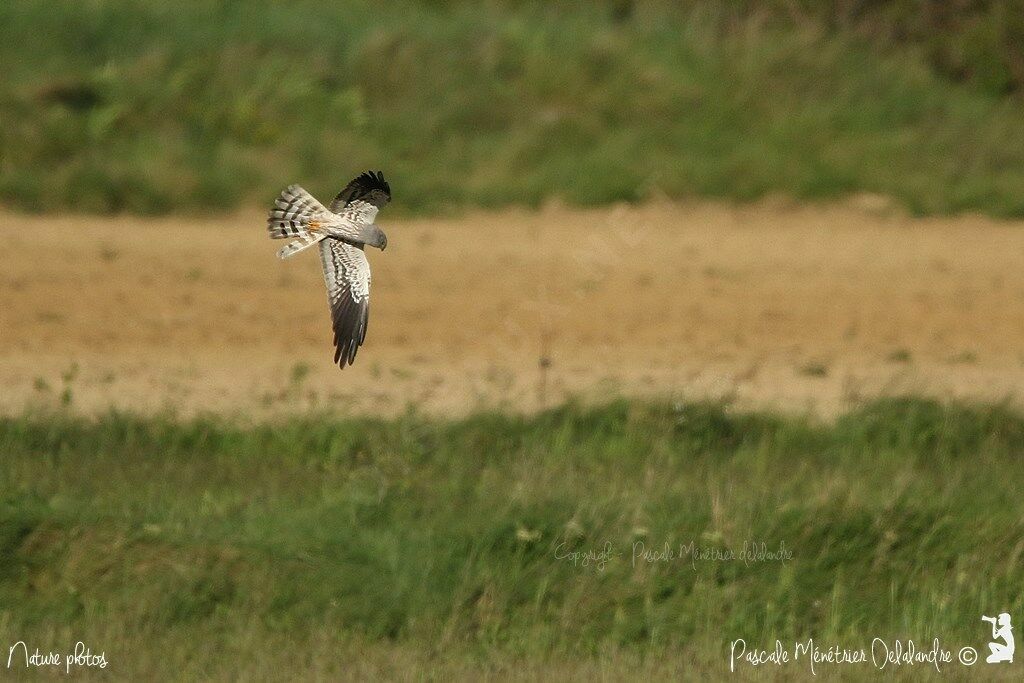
x=340 y=230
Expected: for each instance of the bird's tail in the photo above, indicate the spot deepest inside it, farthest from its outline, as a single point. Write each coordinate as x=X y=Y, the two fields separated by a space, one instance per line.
x=301 y=244
x=292 y=214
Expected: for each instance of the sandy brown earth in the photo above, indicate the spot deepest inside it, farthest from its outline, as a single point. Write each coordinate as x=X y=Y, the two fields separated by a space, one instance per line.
x=768 y=305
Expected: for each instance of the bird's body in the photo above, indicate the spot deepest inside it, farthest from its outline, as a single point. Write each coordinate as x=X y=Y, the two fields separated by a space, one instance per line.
x=341 y=231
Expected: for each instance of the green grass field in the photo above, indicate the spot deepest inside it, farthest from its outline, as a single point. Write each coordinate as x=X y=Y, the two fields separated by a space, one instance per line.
x=147 y=107
x=417 y=547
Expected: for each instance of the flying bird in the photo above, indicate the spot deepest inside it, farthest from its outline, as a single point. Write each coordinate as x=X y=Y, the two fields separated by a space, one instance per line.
x=340 y=230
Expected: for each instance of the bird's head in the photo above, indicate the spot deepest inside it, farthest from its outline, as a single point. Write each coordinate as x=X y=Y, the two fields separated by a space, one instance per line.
x=382 y=240
x=373 y=236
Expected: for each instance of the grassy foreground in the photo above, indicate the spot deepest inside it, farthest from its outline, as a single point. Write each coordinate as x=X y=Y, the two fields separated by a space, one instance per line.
x=428 y=548
x=141 y=106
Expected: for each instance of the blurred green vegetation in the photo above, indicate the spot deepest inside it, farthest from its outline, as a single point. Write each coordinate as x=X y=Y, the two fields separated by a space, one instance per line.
x=149 y=107
x=208 y=549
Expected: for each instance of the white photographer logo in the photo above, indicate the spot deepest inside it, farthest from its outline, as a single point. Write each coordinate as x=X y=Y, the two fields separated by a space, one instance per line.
x=1001 y=630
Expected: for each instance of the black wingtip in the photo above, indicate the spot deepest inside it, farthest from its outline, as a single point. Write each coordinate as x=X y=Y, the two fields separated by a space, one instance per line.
x=374 y=180
x=349 y=332
x=368 y=186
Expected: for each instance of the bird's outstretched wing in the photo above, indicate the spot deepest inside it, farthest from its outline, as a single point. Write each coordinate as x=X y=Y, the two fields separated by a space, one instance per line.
x=363 y=197
x=347 y=275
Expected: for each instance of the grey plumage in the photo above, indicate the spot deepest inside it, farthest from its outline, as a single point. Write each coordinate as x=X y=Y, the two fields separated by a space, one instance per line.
x=341 y=232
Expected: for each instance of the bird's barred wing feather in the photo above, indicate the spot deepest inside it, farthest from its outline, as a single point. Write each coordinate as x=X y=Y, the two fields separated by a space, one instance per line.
x=347 y=276
x=362 y=198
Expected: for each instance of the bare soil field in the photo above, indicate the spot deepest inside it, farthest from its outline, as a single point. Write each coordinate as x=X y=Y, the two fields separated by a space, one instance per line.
x=800 y=308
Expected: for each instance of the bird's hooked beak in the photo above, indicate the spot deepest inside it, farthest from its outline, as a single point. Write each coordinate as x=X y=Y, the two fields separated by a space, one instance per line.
x=382 y=242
